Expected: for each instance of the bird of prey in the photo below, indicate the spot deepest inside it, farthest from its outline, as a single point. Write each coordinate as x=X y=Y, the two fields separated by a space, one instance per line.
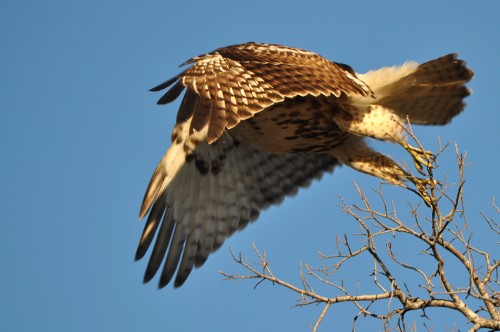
x=259 y=121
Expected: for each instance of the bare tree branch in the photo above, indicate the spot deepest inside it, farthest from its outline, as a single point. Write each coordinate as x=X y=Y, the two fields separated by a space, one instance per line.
x=439 y=227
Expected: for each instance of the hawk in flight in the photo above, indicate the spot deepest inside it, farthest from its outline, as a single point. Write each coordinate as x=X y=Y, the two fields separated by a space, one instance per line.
x=259 y=121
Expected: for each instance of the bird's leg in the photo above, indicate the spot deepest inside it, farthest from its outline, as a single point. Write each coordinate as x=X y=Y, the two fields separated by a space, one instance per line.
x=378 y=165
x=356 y=154
x=420 y=157
x=381 y=123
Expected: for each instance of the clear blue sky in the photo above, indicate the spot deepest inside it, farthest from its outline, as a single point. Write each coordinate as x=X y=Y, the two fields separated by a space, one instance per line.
x=80 y=136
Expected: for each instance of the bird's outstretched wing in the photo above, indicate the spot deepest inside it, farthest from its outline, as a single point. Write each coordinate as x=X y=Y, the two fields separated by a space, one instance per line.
x=200 y=202
x=209 y=185
x=233 y=83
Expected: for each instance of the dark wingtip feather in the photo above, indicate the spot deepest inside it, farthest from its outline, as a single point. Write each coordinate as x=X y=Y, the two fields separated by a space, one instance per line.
x=145 y=241
x=171 y=94
x=169 y=268
x=165 y=84
x=141 y=251
x=151 y=226
x=164 y=279
x=150 y=273
x=179 y=280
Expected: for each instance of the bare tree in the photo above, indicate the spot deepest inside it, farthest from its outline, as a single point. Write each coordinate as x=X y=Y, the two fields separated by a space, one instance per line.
x=461 y=277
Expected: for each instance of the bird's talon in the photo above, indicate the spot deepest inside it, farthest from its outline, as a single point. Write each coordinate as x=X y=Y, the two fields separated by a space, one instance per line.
x=419 y=167
x=421 y=158
x=422 y=184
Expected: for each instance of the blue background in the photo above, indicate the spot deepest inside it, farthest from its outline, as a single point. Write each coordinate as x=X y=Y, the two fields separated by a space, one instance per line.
x=80 y=136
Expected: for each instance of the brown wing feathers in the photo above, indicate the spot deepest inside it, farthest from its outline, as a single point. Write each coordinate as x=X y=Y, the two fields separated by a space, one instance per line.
x=233 y=83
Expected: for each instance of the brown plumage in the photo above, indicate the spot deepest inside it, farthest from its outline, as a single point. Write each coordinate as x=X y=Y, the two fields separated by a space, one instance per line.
x=260 y=121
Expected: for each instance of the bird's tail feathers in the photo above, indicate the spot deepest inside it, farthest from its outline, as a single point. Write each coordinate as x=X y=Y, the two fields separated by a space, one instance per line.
x=430 y=93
